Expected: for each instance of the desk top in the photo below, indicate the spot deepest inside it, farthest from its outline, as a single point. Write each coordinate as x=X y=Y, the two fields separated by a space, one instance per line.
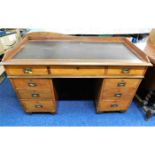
x=76 y=50
x=73 y=50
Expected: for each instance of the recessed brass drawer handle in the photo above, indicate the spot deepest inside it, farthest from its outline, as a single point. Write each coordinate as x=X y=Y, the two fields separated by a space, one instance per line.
x=35 y=95
x=28 y=70
x=38 y=106
x=118 y=94
x=121 y=84
x=114 y=105
x=125 y=70
x=32 y=84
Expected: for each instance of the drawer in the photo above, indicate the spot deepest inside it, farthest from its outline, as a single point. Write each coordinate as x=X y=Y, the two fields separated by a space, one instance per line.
x=125 y=71
x=76 y=71
x=39 y=105
x=121 y=83
x=113 y=105
x=34 y=94
x=26 y=70
x=32 y=83
x=117 y=94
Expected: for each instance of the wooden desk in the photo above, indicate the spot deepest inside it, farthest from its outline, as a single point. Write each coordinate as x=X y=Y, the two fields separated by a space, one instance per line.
x=149 y=82
x=41 y=57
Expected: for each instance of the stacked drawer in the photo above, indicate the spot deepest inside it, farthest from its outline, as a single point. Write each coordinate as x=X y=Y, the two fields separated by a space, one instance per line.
x=36 y=95
x=116 y=94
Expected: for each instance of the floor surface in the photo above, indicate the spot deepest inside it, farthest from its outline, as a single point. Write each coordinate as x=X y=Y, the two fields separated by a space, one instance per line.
x=70 y=113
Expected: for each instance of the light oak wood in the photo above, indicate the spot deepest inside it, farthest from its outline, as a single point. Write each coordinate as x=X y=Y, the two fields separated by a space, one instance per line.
x=86 y=76
x=32 y=83
x=113 y=105
x=130 y=71
x=121 y=83
x=21 y=70
x=34 y=94
x=109 y=90
x=39 y=106
x=117 y=93
x=76 y=71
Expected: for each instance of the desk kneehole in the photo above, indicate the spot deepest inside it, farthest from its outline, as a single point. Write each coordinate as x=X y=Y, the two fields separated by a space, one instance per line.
x=77 y=71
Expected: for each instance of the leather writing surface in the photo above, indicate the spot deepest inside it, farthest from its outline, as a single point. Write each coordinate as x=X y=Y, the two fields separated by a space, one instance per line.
x=75 y=50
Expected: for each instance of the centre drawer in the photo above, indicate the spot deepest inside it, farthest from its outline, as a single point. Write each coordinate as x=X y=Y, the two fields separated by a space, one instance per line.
x=26 y=70
x=32 y=83
x=34 y=94
x=77 y=71
x=39 y=105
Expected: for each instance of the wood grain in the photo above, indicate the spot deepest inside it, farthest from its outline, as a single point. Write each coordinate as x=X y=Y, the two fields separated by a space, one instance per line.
x=32 y=83
x=132 y=70
x=39 y=106
x=121 y=83
x=113 y=105
x=19 y=70
x=76 y=71
x=34 y=94
x=109 y=90
x=111 y=93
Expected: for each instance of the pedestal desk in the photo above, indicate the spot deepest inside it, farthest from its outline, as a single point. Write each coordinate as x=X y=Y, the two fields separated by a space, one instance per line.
x=40 y=57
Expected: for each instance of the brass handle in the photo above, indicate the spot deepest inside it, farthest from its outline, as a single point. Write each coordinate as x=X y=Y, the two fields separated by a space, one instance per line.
x=114 y=105
x=121 y=84
x=125 y=70
x=35 y=95
x=118 y=94
x=32 y=84
x=28 y=70
x=38 y=106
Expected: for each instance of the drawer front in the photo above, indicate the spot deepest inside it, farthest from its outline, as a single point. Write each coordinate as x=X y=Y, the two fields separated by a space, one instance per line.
x=32 y=83
x=39 y=105
x=113 y=105
x=77 y=71
x=121 y=83
x=34 y=94
x=126 y=71
x=117 y=94
x=26 y=70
